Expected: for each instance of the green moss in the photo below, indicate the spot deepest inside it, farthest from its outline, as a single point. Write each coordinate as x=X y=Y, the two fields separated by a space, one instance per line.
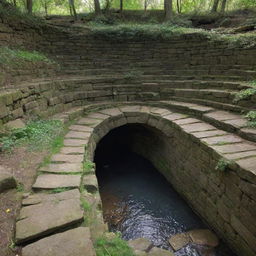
x=88 y=167
x=113 y=246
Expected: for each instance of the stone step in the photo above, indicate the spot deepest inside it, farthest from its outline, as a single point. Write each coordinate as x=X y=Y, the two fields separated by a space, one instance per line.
x=47 y=214
x=214 y=104
x=223 y=96
x=76 y=242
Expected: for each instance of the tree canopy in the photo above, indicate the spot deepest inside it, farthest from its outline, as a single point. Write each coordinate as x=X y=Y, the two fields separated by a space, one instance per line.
x=65 y=7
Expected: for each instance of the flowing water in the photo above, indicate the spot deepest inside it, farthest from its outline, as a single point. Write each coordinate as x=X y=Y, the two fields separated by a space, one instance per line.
x=139 y=202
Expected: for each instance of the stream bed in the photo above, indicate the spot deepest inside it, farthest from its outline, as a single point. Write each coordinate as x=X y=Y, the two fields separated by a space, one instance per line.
x=139 y=202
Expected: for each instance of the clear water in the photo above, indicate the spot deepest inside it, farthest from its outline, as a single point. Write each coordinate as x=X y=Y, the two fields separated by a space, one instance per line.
x=139 y=202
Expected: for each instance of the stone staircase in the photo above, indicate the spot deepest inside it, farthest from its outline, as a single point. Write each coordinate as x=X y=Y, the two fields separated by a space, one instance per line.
x=191 y=87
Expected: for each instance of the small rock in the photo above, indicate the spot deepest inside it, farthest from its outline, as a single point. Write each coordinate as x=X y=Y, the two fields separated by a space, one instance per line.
x=140 y=244
x=178 y=241
x=7 y=181
x=204 y=237
x=90 y=183
x=16 y=124
x=159 y=252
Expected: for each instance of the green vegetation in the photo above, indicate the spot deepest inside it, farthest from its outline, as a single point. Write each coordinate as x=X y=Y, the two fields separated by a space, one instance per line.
x=37 y=135
x=86 y=206
x=244 y=94
x=125 y=32
x=88 y=166
x=14 y=57
x=222 y=165
x=251 y=117
x=20 y=187
x=112 y=246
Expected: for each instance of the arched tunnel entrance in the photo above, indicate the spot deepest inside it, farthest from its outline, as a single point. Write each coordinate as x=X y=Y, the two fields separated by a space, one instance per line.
x=137 y=199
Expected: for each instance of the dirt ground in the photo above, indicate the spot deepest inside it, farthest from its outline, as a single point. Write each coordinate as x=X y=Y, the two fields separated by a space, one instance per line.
x=23 y=165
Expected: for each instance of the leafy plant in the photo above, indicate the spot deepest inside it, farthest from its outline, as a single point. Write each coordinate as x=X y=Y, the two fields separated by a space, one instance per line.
x=251 y=117
x=112 y=246
x=244 y=94
x=222 y=165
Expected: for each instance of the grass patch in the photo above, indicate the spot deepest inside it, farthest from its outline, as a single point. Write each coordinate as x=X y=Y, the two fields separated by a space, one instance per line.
x=37 y=135
x=251 y=117
x=123 y=32
x=134 y=74
x=14 y=57
x=86 y=206
x=112 y=246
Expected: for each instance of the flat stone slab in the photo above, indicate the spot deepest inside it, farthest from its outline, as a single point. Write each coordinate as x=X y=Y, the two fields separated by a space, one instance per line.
x=240 y=155
x=204 y=237
x=207 y=134
x=67 y=158
x=178 y=241
x=197 y=127
x=88 y=121
x=80 y=128
x=226 y=139
x=111 y=111
x=52 y=181
x=234 y=148
x=99 y=116
x=187 y=121
x=43 y=197
x=248 y=164
x=7 y=181
x=159 y=252
x=222 y=115
x=90 y=183
x=140 y=244
x=63 y=168
x=75 y=242
x=174 y=116
x=45 y=218
x=75 y=142
x=78 y=135
x=72 y=150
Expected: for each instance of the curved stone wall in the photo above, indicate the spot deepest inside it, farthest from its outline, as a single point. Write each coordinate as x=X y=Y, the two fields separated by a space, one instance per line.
x=186 y=151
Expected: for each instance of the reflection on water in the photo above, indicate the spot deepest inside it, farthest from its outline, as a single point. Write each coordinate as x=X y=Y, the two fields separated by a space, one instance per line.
x=139 y=202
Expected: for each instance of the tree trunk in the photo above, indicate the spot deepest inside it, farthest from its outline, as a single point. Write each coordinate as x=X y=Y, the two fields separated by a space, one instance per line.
x=215 y=6
x=179 y=6
x=29 y=6
x=145 y=5
x=121 y=5
x=46 y=9
x=168 y=9
x=72 y=9
x=97 y=7
x=223 y=5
